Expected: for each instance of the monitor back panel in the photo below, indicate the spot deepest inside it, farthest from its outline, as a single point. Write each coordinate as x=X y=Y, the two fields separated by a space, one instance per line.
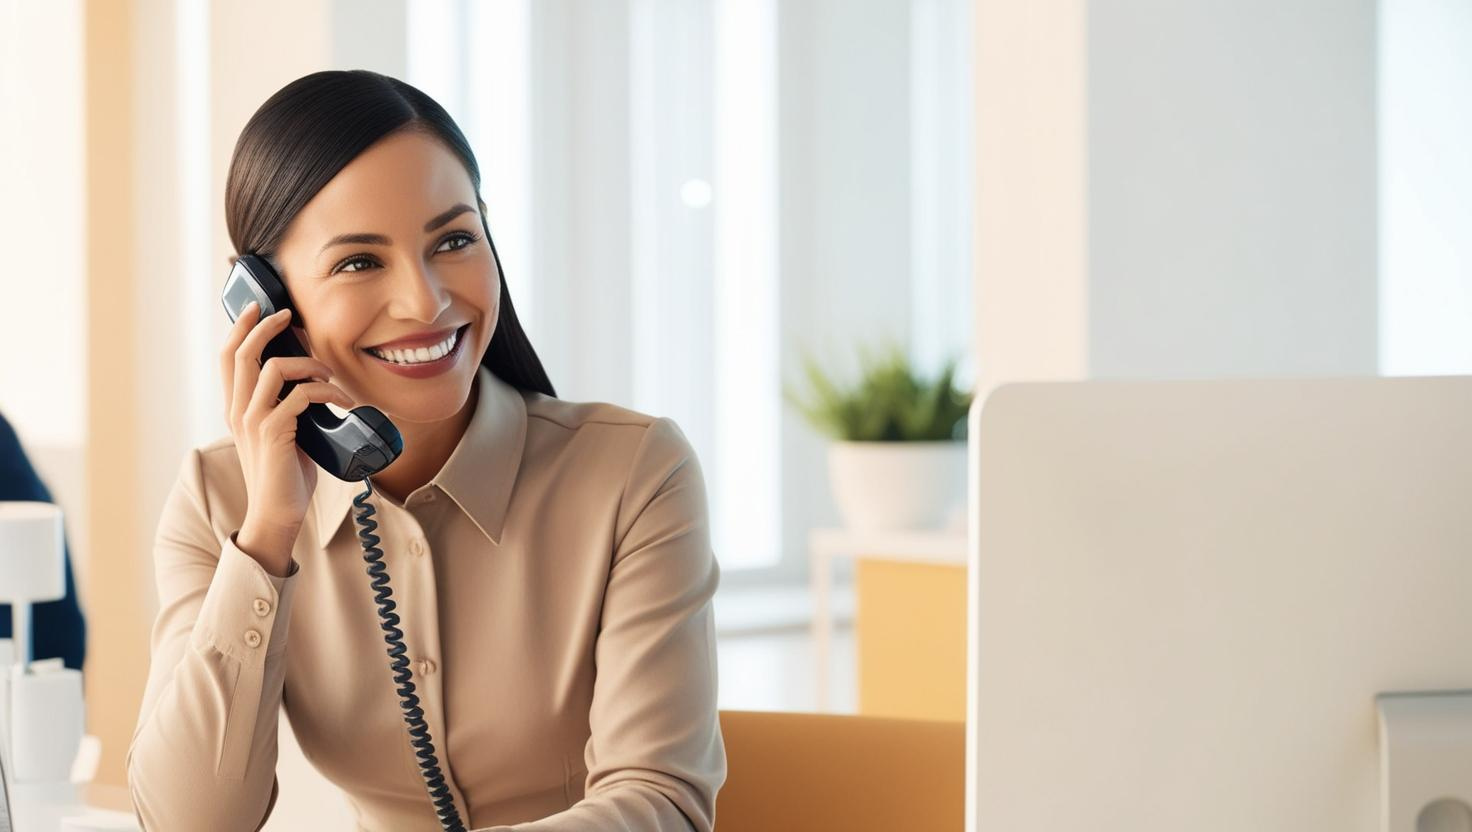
x=1184 y=596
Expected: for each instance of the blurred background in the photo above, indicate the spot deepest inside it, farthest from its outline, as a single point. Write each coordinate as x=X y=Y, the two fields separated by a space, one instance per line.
x=699 y=202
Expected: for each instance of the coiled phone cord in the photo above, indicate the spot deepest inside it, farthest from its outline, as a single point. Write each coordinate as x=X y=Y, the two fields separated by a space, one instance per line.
x=444 y=803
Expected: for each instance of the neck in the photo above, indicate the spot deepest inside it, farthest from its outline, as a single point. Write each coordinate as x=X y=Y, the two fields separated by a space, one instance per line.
x=427 y=446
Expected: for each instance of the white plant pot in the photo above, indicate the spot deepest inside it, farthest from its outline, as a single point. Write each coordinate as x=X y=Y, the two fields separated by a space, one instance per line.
x=895 y=486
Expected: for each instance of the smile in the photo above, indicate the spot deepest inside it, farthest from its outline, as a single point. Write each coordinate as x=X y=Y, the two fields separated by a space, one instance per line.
x=422 y=362
x=422 y=355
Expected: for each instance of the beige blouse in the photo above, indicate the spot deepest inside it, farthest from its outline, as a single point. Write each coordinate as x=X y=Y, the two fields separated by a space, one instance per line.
x=554 y=584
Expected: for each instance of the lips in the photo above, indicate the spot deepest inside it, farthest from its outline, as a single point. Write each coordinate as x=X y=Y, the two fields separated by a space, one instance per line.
x=406 y=356
x=419 y=339
x=424 y=362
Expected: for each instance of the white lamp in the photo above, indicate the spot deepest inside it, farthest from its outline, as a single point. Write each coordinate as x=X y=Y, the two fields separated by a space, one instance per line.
x=41 y=716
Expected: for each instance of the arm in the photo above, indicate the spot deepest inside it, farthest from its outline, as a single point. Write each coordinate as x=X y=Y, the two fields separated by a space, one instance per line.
x=203 y=754
x=656 y=757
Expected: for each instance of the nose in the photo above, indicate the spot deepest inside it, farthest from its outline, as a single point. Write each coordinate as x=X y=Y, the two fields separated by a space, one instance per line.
x=419 y=294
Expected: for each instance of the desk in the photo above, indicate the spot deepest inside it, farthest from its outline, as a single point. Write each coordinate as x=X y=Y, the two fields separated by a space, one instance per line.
x=942 y=546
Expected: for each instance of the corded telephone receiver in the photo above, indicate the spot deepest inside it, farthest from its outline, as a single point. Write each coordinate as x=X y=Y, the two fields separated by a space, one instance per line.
x=351 y=448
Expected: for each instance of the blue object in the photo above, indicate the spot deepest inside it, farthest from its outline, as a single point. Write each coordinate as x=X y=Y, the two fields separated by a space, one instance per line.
x=57 y=627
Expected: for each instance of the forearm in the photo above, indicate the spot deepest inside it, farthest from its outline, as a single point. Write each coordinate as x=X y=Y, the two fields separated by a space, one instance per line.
x=203 y=755
x=203 y=758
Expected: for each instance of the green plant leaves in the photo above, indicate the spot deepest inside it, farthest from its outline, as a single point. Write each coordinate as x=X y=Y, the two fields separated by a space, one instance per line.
x=888 y=403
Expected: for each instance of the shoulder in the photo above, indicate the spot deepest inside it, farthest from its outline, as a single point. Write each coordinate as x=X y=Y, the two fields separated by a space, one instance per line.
x=642 y=436
x=653 y=455
x=219 y=461
x=18 y=477
x=9 y=441
x=210 y=476
x=573 y=416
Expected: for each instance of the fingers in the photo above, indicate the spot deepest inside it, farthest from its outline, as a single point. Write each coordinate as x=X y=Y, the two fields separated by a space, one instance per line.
x=243 y=323
x=247 y=362
x=282 y=417
x=273 y=374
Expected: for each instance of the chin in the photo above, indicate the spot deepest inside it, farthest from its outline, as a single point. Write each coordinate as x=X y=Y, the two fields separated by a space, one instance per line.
x=426 y=400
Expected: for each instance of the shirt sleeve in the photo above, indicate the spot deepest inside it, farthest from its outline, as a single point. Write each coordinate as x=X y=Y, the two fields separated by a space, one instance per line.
x=655 y=756
x=203 y=753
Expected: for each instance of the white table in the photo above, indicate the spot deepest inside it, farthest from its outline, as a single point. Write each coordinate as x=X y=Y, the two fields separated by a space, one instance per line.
x=944 y=546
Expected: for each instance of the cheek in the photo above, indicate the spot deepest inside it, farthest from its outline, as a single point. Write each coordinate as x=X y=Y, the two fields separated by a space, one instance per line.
x=488 y=297
x=493 y=315
x=337 y=328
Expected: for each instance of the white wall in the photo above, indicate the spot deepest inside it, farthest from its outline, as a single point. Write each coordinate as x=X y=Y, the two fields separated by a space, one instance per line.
x=1031 y=180
x=43 y=234
x=1425 y=187
x=1232 y=195
x=43 y=228
x=1176 y=189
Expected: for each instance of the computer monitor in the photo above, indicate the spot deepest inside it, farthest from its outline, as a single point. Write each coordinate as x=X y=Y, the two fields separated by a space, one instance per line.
x=1186 y=596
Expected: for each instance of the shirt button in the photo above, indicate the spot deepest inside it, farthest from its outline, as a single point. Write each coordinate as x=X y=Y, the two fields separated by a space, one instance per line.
x=253 y=638
x=262 y=606
x=426 y=667
x=416 y=546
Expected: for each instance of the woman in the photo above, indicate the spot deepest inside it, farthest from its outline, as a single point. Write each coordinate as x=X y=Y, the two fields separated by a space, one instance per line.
x=550 y=560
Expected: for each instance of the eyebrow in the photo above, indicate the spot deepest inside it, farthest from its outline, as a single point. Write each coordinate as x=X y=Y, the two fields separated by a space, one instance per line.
x=381 y=240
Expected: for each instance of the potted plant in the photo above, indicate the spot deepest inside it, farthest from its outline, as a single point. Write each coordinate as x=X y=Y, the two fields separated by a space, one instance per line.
x=897 y=459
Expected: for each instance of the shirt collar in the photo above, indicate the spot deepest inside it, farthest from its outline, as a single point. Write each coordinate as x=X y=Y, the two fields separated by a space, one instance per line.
x=478 y=476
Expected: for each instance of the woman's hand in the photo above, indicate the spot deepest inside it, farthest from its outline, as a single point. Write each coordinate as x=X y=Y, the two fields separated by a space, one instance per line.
x=279 y=476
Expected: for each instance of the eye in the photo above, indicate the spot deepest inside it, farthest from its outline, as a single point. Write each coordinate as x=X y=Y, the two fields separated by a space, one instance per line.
x=466 y=237
x=342 y=266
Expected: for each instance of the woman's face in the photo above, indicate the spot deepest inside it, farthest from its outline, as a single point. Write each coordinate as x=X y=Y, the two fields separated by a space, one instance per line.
x=429 y=273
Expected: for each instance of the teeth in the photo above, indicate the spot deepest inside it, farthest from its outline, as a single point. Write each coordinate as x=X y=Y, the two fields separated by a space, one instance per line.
x=420 y=355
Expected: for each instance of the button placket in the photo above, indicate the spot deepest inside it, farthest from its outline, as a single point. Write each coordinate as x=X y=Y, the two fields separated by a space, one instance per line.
x=419 y=610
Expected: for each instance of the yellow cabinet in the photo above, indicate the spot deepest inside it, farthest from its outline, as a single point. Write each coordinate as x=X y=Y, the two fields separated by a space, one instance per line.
x=910 y=638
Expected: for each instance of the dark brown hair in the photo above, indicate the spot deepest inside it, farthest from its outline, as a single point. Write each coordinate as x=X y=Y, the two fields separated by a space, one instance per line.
x=306 y=133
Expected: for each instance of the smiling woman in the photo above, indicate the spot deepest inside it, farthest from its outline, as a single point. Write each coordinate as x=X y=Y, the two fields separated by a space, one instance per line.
x=553 y=557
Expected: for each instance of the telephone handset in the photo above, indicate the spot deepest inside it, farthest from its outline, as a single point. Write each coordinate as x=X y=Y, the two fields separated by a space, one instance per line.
x=351 y=448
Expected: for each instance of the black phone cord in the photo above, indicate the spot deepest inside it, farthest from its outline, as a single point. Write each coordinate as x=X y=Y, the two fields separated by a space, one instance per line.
x=444 y=803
